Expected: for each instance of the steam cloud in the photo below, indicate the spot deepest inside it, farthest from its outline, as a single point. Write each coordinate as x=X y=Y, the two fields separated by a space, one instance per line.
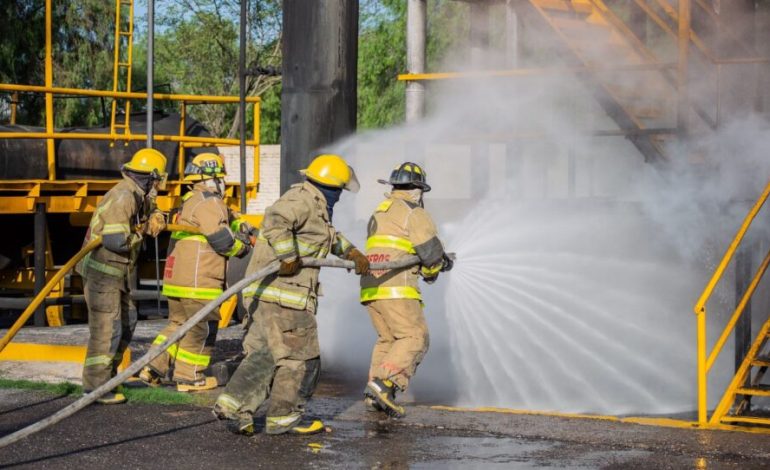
x=578 y=263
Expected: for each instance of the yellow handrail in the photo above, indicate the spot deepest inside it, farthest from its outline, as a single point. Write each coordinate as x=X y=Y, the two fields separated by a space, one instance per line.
x=93 y=244
x=38 y=299
x=125 y=95
x=705 y=360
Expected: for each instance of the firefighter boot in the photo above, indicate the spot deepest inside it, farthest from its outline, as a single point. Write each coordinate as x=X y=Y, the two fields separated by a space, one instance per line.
x=291 y=424
x=205 y=383
x=115 y=397
x=226 y=409
x=371 y=405
x=150 y=377
x=383 y=392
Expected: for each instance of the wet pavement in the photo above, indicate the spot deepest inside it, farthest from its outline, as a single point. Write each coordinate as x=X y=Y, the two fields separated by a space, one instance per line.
x=165 y=436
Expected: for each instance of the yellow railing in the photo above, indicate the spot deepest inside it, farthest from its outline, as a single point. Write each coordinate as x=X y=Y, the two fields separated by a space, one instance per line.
x=184 y=140
x=704 y=358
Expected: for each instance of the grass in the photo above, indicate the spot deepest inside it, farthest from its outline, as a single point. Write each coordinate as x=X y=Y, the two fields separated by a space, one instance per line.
x=156 y=396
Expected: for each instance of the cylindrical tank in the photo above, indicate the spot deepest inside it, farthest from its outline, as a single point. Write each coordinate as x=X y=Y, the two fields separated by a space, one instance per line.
x=89 y=159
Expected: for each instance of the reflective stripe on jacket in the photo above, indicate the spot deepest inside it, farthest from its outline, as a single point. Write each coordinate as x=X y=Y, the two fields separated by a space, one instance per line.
x=194 y=268
x=117 y=213
x=400 y=227
x=297 y=224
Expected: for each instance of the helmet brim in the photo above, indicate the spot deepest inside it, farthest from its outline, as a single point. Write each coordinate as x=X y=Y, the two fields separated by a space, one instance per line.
x=425 y=187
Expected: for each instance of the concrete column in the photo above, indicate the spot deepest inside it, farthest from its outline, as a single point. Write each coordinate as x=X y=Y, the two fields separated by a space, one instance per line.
x=512 y=31
x=318 y=101
x=416 y=27
x=479 y=33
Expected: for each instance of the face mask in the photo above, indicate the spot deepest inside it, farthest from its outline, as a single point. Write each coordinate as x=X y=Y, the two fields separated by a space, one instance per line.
x=332 y=195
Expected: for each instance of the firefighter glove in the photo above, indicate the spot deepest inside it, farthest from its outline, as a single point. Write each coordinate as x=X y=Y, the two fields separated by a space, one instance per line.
x=156 y=224
x=289 y=267
x=360 y=261
x=448 y=263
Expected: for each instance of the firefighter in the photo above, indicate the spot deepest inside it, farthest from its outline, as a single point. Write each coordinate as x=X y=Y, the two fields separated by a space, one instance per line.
x=123 y=216
x=399 y=227
x=195 y=274
x=281 y=344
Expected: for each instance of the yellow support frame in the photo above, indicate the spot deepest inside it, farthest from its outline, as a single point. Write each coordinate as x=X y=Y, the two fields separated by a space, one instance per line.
x=704 y=359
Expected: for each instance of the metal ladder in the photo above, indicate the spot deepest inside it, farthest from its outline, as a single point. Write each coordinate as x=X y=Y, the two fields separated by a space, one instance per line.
x=122 y=64
x=734 y=405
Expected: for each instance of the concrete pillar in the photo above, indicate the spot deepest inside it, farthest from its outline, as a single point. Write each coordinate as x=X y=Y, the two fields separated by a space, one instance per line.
x=416 y=27
x=512 y=31
x=318 y=101
x=479 y=33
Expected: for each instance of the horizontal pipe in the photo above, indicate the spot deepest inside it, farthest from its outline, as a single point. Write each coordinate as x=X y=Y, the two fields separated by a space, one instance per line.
x=116 y=136
x=190 y=99
x=22 y=302
x=530 y=72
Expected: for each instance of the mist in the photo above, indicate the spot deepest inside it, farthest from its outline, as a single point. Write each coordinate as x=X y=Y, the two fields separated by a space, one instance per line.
x=578 y=263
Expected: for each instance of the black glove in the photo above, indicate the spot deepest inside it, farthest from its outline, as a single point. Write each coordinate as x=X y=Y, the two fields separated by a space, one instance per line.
x=448 y=264
x=289 y=267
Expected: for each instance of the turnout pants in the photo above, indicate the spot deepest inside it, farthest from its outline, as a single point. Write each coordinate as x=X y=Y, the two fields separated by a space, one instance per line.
x=282 y=361
x=402 y=339
x=188 y=358
x=111 y=323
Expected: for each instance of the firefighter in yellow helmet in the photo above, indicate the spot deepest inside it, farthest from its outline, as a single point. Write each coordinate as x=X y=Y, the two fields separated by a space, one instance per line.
x=282 y=352
x=195 y=274
x=124 y=215
x=399 y=227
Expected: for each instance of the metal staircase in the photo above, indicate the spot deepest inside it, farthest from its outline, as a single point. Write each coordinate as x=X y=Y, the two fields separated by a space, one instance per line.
x=642 y=103
x=734 y=405
x=122 y=64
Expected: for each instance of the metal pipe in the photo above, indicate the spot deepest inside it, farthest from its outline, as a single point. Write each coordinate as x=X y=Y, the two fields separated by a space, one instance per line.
x=683 y=71
x=150 y=68
x=49 y=122
x=39 y=256
x=527 y=72
x=416 y=25
x=131 y=137
x=242 y=101
x=190 y=99
x=157 y=350
x=14 y=103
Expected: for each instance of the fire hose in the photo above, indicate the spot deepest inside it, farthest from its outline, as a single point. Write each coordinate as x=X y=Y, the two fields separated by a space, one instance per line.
x=157 y=350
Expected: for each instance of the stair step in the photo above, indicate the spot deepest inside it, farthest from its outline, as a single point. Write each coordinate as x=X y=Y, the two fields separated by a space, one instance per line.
x=758 y=390
x=746 y=420
x=761 y=361
x=565 y=5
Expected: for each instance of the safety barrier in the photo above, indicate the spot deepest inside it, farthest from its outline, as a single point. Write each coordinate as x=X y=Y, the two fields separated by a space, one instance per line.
x=704 y=358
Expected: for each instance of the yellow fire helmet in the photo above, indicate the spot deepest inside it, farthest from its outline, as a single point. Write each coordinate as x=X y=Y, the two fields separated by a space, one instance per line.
x=205 y=166
x=147 y=160
x=332 y=170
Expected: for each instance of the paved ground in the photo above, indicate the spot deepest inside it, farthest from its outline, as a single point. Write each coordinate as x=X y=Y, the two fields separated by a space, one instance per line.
x=157 y=436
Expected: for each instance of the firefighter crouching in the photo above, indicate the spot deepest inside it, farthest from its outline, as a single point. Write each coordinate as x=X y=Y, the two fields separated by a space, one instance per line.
x=195 y=274
x=282 y=351
x=122 y=218
x=399 y=227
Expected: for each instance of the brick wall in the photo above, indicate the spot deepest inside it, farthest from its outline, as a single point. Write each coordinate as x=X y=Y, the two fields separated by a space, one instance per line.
x=269 y=173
